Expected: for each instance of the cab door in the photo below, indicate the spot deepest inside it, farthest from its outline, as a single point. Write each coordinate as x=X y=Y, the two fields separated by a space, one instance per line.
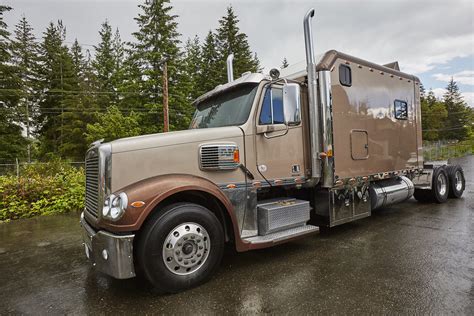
x=279 y=146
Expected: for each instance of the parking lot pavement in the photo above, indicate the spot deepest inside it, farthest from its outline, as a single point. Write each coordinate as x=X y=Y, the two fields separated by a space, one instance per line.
x=411 y=258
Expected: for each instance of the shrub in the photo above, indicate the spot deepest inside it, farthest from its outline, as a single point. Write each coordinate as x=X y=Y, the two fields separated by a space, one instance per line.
x=42 y=189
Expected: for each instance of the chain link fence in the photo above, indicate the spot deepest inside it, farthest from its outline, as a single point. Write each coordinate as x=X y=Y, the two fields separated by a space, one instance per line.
x=443 y=149
x=8 y=167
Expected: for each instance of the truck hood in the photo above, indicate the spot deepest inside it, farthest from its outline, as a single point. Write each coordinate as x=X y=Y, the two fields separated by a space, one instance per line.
x=174 y=138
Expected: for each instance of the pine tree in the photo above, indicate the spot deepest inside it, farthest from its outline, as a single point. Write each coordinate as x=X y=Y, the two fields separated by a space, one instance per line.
x=458 y=120
x=231 y=40
x=80 y=107
x=12 y=143
x=156 y=41
x=192 y=68
x=25 y=52
x=209 y=65
x=433 y=114
x=284 y=63
x=57 y=81
x=104 y=65
x=118 y=50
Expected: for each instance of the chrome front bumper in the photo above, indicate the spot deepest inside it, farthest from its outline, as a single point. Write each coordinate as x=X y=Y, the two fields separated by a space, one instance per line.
x=109 y=253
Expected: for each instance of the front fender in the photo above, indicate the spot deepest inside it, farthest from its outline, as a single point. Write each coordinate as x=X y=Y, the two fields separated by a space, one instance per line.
x=154 y=190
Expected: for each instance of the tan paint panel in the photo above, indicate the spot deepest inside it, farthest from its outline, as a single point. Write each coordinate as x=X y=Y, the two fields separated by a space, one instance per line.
x=369 y=105
x=280 y=153
x=163 y=158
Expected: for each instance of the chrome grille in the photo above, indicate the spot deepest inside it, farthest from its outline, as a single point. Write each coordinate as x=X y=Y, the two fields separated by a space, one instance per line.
x=92 y=183
x=218 y=157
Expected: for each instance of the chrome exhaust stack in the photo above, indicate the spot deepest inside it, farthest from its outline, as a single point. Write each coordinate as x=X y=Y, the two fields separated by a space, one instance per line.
x=230 y=68
x=312 y=98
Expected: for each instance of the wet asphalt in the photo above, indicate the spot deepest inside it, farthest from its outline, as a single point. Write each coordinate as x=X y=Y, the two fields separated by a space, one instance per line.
x=407 y=259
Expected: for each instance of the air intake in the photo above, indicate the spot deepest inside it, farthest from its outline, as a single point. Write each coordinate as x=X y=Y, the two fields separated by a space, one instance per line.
x=219 y=157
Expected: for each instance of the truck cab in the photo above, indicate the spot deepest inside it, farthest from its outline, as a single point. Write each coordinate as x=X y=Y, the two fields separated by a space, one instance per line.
x=267 y=159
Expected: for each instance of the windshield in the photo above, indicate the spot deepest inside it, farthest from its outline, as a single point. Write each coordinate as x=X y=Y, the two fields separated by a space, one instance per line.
x=226 y=109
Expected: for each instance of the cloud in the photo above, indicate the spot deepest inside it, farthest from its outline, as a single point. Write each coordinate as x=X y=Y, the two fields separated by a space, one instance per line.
x=464 y=77
x=467 y=96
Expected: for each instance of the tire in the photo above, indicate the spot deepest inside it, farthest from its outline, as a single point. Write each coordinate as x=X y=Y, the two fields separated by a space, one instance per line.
x=439 y=188
x=457 y=182
x=422 y=196
x=180 y=247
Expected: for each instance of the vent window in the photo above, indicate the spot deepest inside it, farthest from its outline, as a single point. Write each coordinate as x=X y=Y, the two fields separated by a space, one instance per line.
x=345 y=75
x=401 y=110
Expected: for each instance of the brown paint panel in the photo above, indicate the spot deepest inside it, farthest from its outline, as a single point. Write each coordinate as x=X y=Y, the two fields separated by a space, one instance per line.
x=154 y=190
x=368 y=105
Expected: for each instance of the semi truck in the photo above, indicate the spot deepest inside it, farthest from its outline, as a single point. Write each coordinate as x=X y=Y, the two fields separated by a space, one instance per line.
x=267 y=159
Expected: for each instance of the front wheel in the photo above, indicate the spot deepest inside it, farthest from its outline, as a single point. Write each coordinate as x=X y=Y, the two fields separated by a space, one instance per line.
x=180 y=247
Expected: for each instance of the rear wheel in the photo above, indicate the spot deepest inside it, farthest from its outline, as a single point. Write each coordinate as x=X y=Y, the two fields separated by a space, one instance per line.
x=180 y=247
x=457 y=182
x=439 y=188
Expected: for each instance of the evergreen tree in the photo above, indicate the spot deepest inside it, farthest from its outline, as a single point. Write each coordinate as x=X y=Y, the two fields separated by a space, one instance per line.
x=104 y=65
x=458 y=120
x=57 y=81
x=156 y=41
x=209 y=65
x=192 y=68
x=231 y=40
x=80 y=107
x=118 y=50
x=24 y=53
x=433 y=114
x=12 y=143
x=284 y=63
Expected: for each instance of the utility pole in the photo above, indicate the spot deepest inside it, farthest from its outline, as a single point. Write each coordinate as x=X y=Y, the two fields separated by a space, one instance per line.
x=28 y=129
x=166 y=116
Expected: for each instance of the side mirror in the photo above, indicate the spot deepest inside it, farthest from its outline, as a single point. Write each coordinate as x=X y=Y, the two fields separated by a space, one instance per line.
x=291 y=103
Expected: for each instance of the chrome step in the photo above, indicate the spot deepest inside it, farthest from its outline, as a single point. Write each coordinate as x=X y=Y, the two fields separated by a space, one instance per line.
x=284 y=235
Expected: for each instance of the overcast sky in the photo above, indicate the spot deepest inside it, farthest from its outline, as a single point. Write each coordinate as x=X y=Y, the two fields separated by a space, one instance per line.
x=431 y=39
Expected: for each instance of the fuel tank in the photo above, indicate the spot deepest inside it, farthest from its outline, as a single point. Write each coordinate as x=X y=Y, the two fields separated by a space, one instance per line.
x=387 y=192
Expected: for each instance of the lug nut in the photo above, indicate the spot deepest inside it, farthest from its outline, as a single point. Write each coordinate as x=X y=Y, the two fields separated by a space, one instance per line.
x=185 y=238
x=193 y=261
x=177 y=252
x=180 y=244
x=192 y=237
x=185 y=261
x=198 y=254
x=200 y=247
x=180 y=259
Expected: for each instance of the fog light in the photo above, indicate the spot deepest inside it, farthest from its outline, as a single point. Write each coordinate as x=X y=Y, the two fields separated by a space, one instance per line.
x=105 y=254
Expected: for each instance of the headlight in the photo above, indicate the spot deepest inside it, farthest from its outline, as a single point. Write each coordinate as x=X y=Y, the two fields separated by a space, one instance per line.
x=114 y=206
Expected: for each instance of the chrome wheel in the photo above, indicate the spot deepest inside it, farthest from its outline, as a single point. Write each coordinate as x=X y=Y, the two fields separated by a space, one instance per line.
x=458 y=177
x=186 y=248
x=442 y=184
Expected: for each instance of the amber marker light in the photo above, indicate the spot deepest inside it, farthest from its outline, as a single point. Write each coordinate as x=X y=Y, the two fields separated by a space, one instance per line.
x=236 y=156
x=137 y=204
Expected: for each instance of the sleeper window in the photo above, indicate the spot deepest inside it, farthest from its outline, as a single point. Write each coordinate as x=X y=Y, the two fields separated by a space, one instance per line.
x=401 y=110
x=272 y=107
x=345 y=75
